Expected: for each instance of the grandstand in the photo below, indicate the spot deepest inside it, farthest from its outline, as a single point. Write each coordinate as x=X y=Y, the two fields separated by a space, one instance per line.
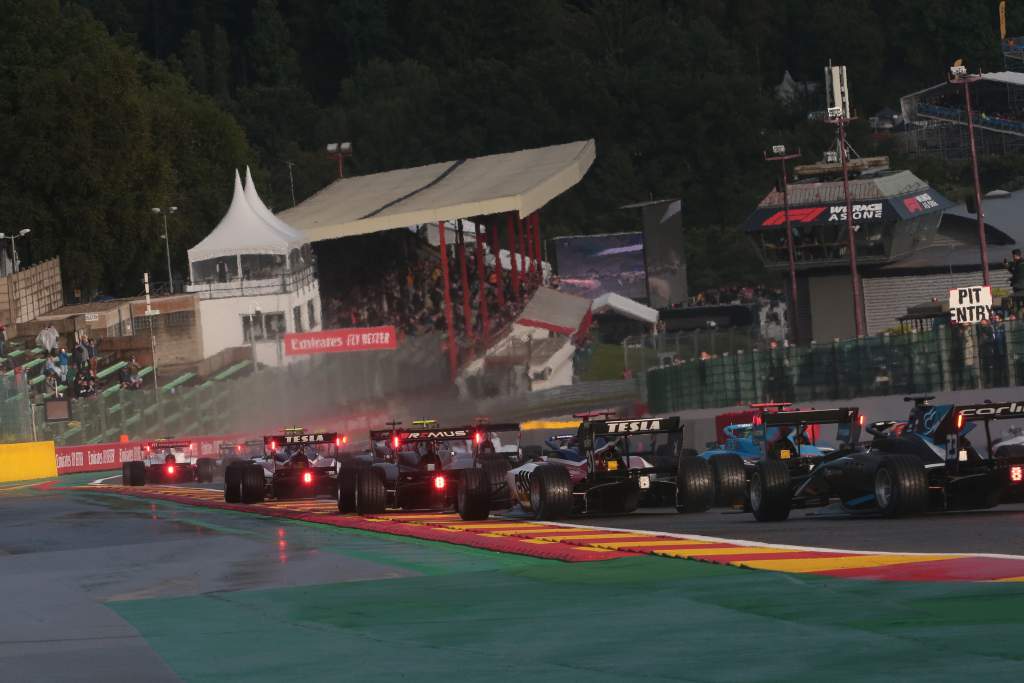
x=936 y=119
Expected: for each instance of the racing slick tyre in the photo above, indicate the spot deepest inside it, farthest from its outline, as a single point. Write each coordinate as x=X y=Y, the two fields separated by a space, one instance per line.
x=474 y=494
x=496 y=474
x=370 y=496
x=346 y=491
x=901 y=486
x=233 y=483
x=730 y=478
x=133 y=473
x=254 y=484
x=695 y=486
x=204 y=469
x=771 y=494
x=550 y=492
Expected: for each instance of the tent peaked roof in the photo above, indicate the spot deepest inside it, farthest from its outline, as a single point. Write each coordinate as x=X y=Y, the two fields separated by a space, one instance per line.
x=240 y=231
x=256 y=203
x=519 y=182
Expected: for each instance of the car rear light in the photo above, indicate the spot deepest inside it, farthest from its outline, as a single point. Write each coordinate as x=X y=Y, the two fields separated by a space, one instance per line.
x=860 y=421
x=192 y=446
x=238 y=449
x=148 y=448
x=959 y=421
x=337 y=441
x=344 y=438
x=1017 y=474
x=478 y=438
x=170 y=469
x=439 y=482
x=307 y=477
x=394 y=441
x=273 y=445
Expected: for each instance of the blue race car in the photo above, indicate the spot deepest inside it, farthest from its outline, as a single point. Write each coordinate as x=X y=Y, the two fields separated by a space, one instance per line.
x=790 y=437
x=929 y=465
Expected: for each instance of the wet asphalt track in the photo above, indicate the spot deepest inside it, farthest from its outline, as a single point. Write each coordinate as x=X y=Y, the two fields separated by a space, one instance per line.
x=996 y=531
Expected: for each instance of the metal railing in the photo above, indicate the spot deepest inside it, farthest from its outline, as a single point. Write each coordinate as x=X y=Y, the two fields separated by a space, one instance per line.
x=943 y=359
x=284 y=283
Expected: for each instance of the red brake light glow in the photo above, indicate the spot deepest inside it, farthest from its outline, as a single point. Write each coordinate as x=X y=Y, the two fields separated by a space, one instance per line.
x=394 y=441
x=860 y=421
x=170 y=469
x=238 y=449
x=148 y=448
x=344 y=438
x=337 y=441
x=959 y=421
x=1017 y=474
x=192 y=446
x=478 y=438
x=273 y=445
x=439 y=482
x=307 y=477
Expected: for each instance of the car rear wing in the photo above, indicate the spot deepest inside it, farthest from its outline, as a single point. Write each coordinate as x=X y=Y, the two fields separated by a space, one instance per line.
x=849 y=421
x=274 y=441
x=1005 y=410
x=160 y=444
x=647 y=425
x=475 y=432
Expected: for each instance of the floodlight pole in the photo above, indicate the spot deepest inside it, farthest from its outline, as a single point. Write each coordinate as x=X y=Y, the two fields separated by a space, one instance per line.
x=779 y=154
x=858 y=308
x=965 y=80
x=453 y=359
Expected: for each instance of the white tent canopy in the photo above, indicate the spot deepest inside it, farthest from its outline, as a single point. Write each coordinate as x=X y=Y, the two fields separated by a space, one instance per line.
x=617 y=303
x=519 y=182
x=241 y=231
x=260 y=209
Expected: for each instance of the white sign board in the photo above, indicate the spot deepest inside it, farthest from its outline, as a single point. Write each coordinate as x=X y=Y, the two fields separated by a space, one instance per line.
x=968 y=305
x=92 y=317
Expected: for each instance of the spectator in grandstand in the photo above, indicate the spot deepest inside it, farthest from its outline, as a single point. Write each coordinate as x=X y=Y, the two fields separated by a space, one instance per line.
x=84 y=384
x=3 y=340
x=129 y=375
x=90 y=347
x=63 y=362
x=47 y=338
x=1016 y=268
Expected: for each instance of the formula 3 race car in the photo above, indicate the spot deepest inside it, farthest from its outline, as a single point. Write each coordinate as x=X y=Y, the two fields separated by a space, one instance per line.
x=295 y=464
x=603 y=477
x=794 y=437
x=168 y=461
x=929 y=465
x=428 y=467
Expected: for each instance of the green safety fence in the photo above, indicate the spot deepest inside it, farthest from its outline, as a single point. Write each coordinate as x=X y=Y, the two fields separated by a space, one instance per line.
x=942 y=359
x=237 y=399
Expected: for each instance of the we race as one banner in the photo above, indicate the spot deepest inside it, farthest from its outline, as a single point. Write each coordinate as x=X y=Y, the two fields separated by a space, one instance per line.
x=344 y=339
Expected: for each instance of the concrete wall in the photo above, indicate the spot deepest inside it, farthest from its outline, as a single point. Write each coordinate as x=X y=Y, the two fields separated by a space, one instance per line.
x=222 y=318
x=831 y=307
x=888 y=298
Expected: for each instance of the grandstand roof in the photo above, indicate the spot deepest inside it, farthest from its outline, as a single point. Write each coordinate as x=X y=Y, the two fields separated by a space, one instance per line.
x=243 y=230
x=616 y=303
x=555 y=311
x=882 y=186
x=520 y=182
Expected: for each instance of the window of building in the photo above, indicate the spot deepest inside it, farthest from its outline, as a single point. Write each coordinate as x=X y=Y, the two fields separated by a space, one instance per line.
x=311 y=313
x=297 y=317
x=260 y=326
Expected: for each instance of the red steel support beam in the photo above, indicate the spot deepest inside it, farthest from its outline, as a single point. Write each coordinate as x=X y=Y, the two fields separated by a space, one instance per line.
x=481 y=278
x=453 y=354
x=496 y=251
x=522 y=252
x=512 y=257
x=536 y=248
x=467 y=311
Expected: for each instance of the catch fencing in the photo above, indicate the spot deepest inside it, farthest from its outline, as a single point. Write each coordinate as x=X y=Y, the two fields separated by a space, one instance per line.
x=943 y=359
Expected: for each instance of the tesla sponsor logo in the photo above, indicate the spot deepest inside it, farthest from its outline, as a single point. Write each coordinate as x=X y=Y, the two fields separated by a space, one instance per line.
x=440 y=434
x=994 y=410
x=626 y=426
x=861 y=212
x=804 y=215
x=305 y=438
x=920 y=203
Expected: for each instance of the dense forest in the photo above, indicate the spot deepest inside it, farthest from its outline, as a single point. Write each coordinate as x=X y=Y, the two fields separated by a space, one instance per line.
x=111 y=107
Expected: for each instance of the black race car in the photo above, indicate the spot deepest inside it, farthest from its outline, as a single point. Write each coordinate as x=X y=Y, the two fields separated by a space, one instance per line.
x=427 y=467
x=608 y=471
x=295 y=464
x=930 y=464
x=168 y=461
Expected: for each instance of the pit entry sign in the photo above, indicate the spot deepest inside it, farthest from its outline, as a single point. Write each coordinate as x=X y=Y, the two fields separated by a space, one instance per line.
x=969 y=305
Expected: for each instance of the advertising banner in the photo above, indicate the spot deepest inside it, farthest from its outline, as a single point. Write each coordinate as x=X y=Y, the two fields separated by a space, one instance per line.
x=340 y=340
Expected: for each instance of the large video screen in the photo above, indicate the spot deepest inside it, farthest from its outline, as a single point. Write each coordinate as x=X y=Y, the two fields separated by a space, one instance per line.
x=592 y=265
x=666 y=264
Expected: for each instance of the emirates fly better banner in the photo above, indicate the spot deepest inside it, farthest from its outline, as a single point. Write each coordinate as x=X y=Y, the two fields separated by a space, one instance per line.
x=345 y=339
